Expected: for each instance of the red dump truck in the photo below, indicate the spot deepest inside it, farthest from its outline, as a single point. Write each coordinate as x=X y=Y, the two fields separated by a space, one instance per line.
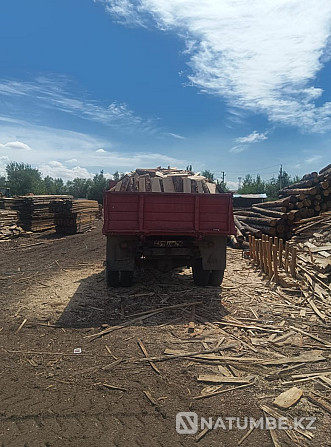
x=169 y=230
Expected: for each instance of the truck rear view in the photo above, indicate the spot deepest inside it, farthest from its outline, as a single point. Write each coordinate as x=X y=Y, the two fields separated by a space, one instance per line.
x=169 y=219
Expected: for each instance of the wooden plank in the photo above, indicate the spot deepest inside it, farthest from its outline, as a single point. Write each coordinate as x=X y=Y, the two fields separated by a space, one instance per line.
x=211 y=187
x=288 y=398
x=311 y=357
x=199 y=186
x=187 y=185
x=118 y=186
x=168 y=185
x=214 y=378
x=142 y=185
x=155 y=182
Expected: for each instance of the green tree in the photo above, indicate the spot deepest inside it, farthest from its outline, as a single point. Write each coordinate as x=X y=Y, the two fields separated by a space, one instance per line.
x=3 y=181
x=23 y=179
x=98 y=187
x=78 y=187
x=54 y=186
x=208 y=174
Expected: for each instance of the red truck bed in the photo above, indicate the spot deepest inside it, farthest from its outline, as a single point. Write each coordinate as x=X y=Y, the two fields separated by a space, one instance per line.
x=137 y=213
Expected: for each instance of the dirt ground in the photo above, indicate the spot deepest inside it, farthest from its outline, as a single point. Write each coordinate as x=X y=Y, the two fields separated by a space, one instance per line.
x=51 y=396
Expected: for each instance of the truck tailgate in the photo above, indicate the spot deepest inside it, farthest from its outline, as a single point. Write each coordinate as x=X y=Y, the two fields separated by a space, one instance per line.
x=167 y=214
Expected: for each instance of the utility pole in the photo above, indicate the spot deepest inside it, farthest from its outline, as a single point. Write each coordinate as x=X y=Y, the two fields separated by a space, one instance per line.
x=280 y=176
x=239 y=185
x=223 y=177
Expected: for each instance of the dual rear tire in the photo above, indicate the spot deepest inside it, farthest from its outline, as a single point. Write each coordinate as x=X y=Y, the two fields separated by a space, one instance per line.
x=203 y=277
x=117 y=278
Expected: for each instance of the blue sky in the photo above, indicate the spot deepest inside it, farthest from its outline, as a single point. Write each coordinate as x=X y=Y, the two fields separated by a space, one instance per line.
x=232 y=86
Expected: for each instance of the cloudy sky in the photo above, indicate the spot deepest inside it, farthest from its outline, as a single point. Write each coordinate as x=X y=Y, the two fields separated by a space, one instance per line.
x=228 y=85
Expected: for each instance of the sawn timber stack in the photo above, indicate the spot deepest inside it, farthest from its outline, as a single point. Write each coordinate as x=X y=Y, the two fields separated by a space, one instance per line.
x=74 y=216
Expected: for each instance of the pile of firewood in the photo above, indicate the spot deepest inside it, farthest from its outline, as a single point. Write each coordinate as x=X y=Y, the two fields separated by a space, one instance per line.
x=165 y=180
x=9 y=224
x=305 y=199
x=74 y=216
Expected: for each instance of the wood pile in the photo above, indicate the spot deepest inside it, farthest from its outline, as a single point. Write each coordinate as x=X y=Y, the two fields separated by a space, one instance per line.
x=9 y=224
x=7 y=203
x=74 y=216
x=303 y=200
x=34 y=211
x=165 y=180
x=313 y=241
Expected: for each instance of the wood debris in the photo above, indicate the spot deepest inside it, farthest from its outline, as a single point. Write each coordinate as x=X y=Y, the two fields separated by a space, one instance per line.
x=288 y=398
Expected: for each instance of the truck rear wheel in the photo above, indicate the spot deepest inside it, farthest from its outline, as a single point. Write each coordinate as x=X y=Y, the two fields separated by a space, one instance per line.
x=216 y=277
x=126 y=279
x=200 y=276
x=113 y=278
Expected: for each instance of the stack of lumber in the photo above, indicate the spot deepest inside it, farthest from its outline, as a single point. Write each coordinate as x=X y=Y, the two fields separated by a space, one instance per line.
x=9 y=224
x=7 y=203
x=34 y=211
x=165 y=180
x=74 y=216
x=303 y=200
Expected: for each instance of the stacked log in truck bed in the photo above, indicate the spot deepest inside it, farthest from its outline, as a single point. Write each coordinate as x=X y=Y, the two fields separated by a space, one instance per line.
x=165 y=180
x=303 y=200
x=74 y=216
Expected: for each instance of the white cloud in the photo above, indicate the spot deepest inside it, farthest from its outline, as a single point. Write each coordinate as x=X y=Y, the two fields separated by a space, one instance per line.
x=175 y=135
x=254 y=137
x=238 y=148
x=54 y=93
x=257 y=54
x=15 y=145
x=56 y=169
x=53 y=148
x=73 y=160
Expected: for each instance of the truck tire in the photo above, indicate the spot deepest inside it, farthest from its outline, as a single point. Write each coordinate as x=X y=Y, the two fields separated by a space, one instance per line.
x=113 y=278
x=200 y=276
x=216 y=277
x=126 y=279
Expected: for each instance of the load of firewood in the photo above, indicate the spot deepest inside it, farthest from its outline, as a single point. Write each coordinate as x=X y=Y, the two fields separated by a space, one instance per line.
x=303 y=200
x=165 y=180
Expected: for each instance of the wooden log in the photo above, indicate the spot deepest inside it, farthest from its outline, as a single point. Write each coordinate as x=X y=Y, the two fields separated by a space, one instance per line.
x=269 y=212
x=325 y=185
x=249 y=229
x=302 y=184
x=262 y=221
x=311 y=175
x=238 y=224
x=293 y=214
x=275 y=203
x=281 y=248
x=305 y=191
x=325 y=169
x=275 y=262
x=293 y=261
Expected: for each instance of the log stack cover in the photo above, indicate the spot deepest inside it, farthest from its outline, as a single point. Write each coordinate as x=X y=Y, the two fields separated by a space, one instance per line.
x=303 y=200
x=74 y=216
x=165 y=180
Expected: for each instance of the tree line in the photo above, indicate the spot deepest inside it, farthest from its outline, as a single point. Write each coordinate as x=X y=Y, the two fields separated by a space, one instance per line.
x=24 y=179
x=255 y=185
